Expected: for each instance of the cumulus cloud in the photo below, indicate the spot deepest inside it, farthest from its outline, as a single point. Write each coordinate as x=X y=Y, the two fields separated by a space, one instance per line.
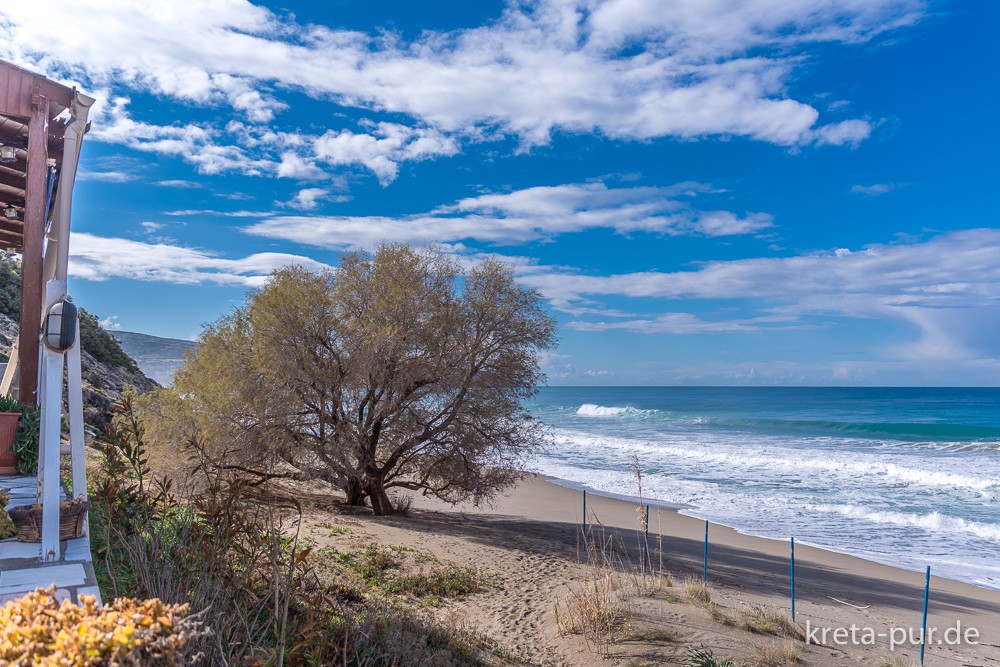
x=624 y=69
x=308 y=199
x=111 y=323
x=192 y=143
x=383 y=149
x=100 y=258
x=523 y=216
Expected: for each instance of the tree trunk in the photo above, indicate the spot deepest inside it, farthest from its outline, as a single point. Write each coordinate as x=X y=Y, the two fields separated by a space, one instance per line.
x=381 y=504
x=355 y=493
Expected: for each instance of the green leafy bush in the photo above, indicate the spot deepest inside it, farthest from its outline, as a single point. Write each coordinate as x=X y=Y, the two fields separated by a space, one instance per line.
x=26 y=440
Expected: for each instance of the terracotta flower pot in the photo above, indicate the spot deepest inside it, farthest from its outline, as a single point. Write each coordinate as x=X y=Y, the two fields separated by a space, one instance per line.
x=8 y=431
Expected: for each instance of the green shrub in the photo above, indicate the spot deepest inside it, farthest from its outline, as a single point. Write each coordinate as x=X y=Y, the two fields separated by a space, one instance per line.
x=231 y=550
x=699 y=656
x=26 y=440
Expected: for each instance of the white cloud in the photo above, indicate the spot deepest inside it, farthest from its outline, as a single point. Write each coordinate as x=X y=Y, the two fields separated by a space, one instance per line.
x=947 y=287
x=308 y=199
x=111 y=323
x=625 y=69
x=100 y=258
x=222 y=214
x=192 y=143
x=522 y=216
x=873 y=190
x=182 y=184
x=687 y=324
x=383 y=149
x=105 y=176
x=297 y=167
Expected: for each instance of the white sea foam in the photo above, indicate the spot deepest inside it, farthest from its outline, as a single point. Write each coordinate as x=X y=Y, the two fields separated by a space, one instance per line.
x=737 y=457
x=591 y=410
x=903 y=503
x=934 y=522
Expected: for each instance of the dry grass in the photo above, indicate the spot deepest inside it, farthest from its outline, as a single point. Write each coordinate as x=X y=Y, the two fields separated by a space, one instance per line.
x=718 y=614
x=755 y=618
x=602 y=608
x=776 y=654
x=696 y=590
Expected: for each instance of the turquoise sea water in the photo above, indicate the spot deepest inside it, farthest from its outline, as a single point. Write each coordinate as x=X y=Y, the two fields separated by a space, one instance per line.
x=904 y=476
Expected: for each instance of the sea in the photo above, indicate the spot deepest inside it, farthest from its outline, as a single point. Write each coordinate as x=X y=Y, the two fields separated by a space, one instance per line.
x=908 y=477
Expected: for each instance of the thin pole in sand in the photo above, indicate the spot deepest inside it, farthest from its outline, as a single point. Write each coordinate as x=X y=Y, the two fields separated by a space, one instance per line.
x=923 y=633
x=645 y=542
x=585 y=512
x=704 y=562
x=793 y=579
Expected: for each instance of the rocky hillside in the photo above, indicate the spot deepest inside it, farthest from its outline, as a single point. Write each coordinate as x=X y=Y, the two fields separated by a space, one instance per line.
x=159 y=358
x=105 y=375
x=107 y=370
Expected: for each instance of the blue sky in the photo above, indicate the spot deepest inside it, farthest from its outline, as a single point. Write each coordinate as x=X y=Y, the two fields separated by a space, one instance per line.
x=704 y=191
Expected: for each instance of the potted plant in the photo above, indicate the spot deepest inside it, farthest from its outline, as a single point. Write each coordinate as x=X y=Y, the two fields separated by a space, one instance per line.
x=28 y=520
x=10 y=415
x=26 y=440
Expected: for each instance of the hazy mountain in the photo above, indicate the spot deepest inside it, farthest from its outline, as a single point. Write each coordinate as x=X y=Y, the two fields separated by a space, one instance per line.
x=158 y=357
x=105 y=373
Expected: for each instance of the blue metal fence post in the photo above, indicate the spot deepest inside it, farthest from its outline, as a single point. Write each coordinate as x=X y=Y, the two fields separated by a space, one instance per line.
x=923 y=633
x=793 y=579
x=704 y=563
x=645 y=541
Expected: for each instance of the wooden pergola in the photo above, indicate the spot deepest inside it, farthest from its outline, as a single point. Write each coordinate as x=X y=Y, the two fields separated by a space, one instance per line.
x=42 y=124
x=41 y=127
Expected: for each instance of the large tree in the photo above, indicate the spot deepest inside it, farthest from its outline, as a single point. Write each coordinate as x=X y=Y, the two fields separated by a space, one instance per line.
x=396 y=369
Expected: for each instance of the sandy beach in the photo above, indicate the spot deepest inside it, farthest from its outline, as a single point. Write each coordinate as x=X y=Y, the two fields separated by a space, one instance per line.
x=530 y=543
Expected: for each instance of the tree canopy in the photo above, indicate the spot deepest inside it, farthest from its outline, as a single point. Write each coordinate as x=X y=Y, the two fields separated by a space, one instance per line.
x=395 y=370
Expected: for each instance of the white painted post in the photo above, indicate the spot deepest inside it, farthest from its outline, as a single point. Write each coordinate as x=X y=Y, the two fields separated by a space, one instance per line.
x=8 y=374
x=74 y=373
x=52 y=370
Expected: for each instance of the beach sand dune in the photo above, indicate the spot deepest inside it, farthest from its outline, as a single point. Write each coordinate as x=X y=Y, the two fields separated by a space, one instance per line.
x=531 y=543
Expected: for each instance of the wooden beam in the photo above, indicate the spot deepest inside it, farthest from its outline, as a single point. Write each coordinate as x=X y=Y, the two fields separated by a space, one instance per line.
x=32 y=262
x=11 y=226
x=17 y=86
x=12 y=179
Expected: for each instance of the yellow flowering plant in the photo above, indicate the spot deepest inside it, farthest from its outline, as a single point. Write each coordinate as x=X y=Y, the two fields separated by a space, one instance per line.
x=39 y=631
x=7 y=528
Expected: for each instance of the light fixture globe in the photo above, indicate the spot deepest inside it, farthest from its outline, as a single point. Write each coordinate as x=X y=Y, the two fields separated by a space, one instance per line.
x=59 y=331
x=8 y=154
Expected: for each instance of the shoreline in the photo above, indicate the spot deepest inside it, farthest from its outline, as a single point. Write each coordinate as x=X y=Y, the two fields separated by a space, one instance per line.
x=540 y=498
x=529 y=543
x=681 y=509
